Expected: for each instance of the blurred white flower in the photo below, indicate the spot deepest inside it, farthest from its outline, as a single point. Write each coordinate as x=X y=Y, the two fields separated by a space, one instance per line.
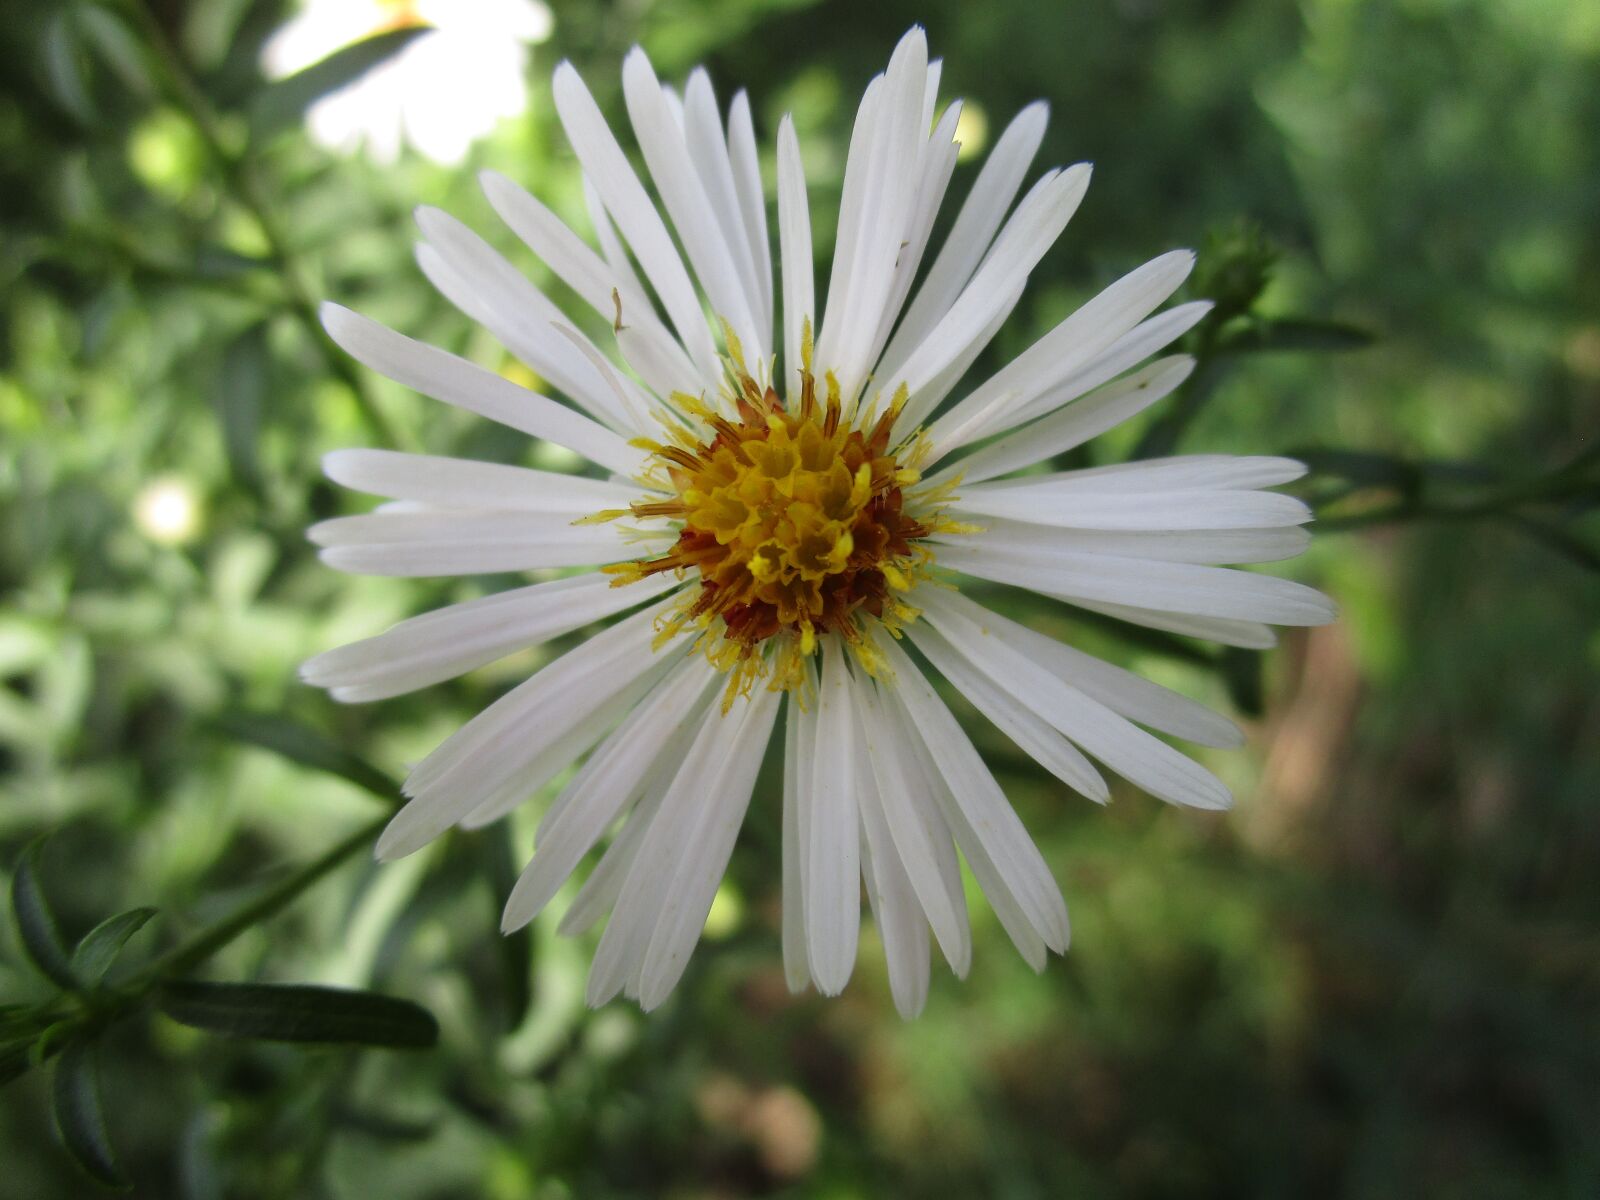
x=442 y=92
x=166 y=510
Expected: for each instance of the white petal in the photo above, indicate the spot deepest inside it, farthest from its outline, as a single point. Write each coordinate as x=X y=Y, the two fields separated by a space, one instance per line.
x=1139 y=757
x=986 y=818
x=1121 y=691
x=481 y=756
x=467 y=483
x=591 y=277
x=796 y=968
x=921 y=843
x=894 y=904
x=1062 y=351
x=875 y=216
x=612 y=778
x=565 y=750
x=660 y=136
x=1072 y=425
x=974 y=229
x=1128 y=351
x=450 y=641
x=711 y=824
x=1165 y=511
x=1147 y=583
x=464 y=542
x=477 y=280
x=708 y=148
x=1159 y=474
x=455 y=381
x=627 y=202
x=1248 y=635
x=752 y=200
x=1036 y=737
x=1209 y=547
x=794 y=246
x=833 y=889
x=1030 y=232
x=933 y=178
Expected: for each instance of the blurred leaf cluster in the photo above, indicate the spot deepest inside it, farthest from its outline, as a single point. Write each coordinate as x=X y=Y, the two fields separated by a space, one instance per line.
x=1378 y=977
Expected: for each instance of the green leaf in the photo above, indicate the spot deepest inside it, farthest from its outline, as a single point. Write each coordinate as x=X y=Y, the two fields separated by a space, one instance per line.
x=303 y=745
x=241 y=388
x=299 y=1013
x=36 y=924
x=515 y=949
x=80 y=1118
x=65 y=68
x=101 y=945
x=280 y=105
x=1267 y=334
x=117 y=47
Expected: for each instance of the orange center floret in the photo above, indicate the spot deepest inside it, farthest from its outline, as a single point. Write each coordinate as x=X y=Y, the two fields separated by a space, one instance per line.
x=793 y=521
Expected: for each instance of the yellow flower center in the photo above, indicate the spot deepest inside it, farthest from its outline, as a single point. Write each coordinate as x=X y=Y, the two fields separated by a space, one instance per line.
x=795 y=521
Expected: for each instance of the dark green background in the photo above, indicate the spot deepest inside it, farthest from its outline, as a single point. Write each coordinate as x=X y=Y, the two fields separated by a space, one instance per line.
x=1378 y=977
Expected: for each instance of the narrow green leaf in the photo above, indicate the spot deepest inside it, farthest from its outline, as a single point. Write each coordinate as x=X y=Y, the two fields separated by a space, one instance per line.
x=241 y=388
x=299 y=1013
x=1267 y=335
x=117 y=47
x=65 y=69
x=100 y=946
x=80 y=1117
x=280 y=105
x=303 y=745
x=515 y=949
x=36 y=924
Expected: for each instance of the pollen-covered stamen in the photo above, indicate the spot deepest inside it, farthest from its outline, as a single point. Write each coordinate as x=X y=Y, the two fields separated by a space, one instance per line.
x=795 y=523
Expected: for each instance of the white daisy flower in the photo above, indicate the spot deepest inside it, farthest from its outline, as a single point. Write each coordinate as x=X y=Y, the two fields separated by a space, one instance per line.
x=444 y=90
x=783 y=522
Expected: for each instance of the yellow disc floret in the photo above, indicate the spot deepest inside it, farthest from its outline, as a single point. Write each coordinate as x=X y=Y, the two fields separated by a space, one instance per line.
x=795 y=523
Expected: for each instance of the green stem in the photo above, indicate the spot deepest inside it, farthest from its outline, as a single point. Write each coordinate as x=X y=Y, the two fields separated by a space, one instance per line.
x=1568 y=483
x=195 y=950
x=244 y=187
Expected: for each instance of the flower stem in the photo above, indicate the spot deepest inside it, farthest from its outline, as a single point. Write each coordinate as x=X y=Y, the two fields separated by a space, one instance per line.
x=244 y=187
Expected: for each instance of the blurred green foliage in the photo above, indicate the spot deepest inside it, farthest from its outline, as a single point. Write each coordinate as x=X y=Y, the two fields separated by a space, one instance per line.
x=1379 y=977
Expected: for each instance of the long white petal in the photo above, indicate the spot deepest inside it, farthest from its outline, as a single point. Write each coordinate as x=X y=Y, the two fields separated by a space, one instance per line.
x=796 y=968
x=467 y=483
x=1247 y=635
x=895 y=905
x=479 y=758
x=974 y=229
x=1041 y=741
x=1138 y=756
x=920 y=841
x=794 y=248
x=1164 y=511
x=987 y=817
x=1072 y=425
x=1148 y=583
x=1159 y=474
x=711 y=824
x=464 y=542
x=876 y=229
x=660 y=136
x=607 y=783
x=628 y=203
x=752 y=200
x=1122 y=691
x=1064 y=350
x=833 y=889
x=457 y=382
x=1032 y=230
x=473 y=276
x=1209 y=547
x=450 y=641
